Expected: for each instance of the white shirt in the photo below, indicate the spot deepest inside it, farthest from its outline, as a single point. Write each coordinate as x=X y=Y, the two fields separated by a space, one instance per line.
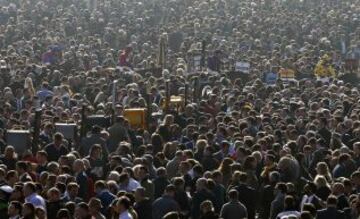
x=306 y=199
x=131 y=186
x=286 y=214
x=36 y=200
x=125 y=215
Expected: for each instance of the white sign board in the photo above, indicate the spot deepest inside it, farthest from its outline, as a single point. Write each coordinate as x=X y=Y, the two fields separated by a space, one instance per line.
x=243 y=67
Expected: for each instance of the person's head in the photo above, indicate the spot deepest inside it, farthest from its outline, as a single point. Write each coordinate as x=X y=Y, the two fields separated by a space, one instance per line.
x=269 y=159
x=29 y=188
x=331 y=201
x=322 y=168
x=63 y=214
x=100 y=185
x=280 y=188
x=310 y=188
x=72 y=189
x=356 y=148
x=123 y=204
x=217 y=176
x=170 y=190
x=140 y=194
x=82 y=210
x=21 y=167
x=233 y=195
x=58 y=138
x=206 y=206
x=310 y=208
x=78 y=166
x=95 y=151
x=171 y=215
x=53 y=194
x=161 y=172
x=9 y=151
x=14 y=208
x=95 y=129
x=201 y=184
x=42 y=157
x=355 y=178
x=274 y=177
x=40 y=213
x=143 y=172
x=320 y=181
x=306 y=215
x=28 y=210
x=289 y=202
x=95 y=205
x=338 y=189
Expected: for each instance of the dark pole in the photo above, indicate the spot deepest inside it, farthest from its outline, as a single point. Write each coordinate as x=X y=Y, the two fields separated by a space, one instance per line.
x=203 y=54
x=167 y=100
x=195 y=91
x=83 y=118
x=148 y=113
x=37 y=124
x=186 y=94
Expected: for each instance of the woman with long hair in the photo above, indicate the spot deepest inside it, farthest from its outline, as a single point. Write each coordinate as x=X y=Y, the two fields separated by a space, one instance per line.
x=207 y=210
x=157 y=143
x=322 y=169
x=323 y=188
x=225 y=169
x=199 y=149
x=165 y=128
x=29 y=86
x=250 y=165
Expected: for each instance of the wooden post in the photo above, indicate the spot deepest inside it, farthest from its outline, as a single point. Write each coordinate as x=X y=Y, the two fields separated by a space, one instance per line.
x=37 y=125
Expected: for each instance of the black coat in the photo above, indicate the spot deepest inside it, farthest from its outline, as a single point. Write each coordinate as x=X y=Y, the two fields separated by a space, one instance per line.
x=343 y=202
x=267 y=198
x=144 y=209
x=330 y=213
x=247 y=196
x=210 y=215
x=160 y=184
x=198 y=198
x=52 y=208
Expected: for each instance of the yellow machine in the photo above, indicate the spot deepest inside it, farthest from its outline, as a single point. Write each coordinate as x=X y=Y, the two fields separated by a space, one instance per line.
x=136 y=117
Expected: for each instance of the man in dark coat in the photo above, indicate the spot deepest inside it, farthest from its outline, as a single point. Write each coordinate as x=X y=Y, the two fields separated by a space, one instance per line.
x=331 y=211
x=160 y=182
x=89 y=141
x=165 y=204
x=233 y=209
x=247 y=196
x=201 y=194
x=56 y=149
x=277 y=205
x=142 y=205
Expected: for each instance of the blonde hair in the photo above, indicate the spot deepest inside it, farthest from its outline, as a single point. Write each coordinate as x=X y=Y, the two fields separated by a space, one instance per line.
x=28 y=84
x=321 y=181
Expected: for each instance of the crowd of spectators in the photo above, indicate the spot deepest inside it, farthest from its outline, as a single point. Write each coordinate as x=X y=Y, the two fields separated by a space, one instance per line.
x=238 y=144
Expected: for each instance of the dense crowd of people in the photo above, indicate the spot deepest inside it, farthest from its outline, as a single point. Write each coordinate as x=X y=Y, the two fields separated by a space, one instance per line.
x=266 y=122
